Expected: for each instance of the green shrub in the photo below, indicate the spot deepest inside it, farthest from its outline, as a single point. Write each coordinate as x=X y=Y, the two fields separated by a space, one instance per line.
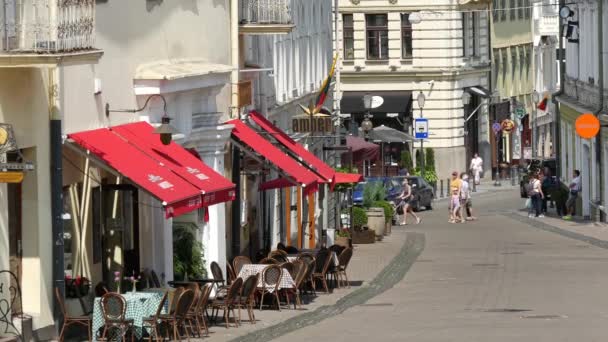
x=373 y=192
x=388 y=210
x=359 y=218
x=188 y=258
x=406 y=161
x=430 y=159
x=345 y=186
x=418 y=159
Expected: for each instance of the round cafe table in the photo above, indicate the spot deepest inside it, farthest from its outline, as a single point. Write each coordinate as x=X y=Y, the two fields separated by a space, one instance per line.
x=140 y=305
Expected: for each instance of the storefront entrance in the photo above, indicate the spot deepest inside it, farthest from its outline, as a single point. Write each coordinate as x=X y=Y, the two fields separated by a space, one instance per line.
x=116 y=231
x=15 y=231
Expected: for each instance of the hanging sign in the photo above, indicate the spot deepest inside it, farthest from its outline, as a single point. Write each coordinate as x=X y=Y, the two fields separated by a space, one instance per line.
x=11 y=177
x=496 y=127
x=421 y=128
x=316 y=124
x=507 y=125
x=587 y=126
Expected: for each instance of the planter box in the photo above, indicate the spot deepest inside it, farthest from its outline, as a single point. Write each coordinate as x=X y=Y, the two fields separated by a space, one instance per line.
x=364 y=237
x=342 y=241
x=389 y=228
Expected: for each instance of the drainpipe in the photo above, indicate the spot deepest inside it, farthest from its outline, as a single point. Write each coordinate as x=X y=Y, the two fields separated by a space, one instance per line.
x=56 y=176
x=600 y=84
x=234 y=113
x=562 y=77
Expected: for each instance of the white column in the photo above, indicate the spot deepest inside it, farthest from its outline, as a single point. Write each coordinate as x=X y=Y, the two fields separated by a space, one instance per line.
x=214 y=232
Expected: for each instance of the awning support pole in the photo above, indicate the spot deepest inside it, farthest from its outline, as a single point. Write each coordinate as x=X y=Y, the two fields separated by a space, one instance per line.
x=299 y=216
x=311 y=220
x=288 y=216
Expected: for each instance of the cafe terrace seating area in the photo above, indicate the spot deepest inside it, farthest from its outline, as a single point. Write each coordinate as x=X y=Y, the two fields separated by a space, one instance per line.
x=284 y=279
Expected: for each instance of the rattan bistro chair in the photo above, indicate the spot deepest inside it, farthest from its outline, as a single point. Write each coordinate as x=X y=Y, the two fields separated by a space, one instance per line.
x=177 y=319
x=322 y=263
x=239 y=262
x=279 y=256
x=247 y=298
x=268 y=261
x=114 y=308
x=71 y=320
x=218 y=276
x=340 y=270
x=198 y=314
x=153 y=322
x=271 y=279
x=229 y=303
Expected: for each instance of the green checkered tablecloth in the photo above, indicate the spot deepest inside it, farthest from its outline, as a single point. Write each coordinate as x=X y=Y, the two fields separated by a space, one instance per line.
x=140 y=305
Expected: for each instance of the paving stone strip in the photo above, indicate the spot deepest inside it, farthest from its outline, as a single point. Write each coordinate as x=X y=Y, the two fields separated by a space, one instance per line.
x=547 y=227
x=387 y=278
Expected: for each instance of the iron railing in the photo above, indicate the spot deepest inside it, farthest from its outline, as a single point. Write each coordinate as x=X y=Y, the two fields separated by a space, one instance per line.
x=46 y=26
x=265 y=12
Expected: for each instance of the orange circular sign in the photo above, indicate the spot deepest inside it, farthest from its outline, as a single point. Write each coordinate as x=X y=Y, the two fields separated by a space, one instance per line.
x=587 y=126
x=507 y=125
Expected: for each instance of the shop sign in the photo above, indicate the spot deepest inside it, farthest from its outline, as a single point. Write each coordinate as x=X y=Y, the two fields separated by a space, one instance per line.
x=587 y=126
x=315 y=124
x=7 y=139
x=11 y=177
x=507 y=125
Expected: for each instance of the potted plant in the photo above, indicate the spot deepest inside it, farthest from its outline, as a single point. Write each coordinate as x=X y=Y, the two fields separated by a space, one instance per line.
x=76 y=287
x=343 y=237
x=361 y=234
x=389 y=212
x=373 y=193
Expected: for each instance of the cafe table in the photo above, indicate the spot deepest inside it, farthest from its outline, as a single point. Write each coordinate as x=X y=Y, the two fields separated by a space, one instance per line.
x=333 y=255
x=248 y=270
x=140 y=305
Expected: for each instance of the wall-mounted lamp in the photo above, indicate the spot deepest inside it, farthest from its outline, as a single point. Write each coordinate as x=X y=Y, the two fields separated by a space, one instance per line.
x=166 y=130
x=566 y=12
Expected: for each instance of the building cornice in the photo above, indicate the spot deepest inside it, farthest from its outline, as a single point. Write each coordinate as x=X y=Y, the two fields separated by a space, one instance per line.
x=439 y=73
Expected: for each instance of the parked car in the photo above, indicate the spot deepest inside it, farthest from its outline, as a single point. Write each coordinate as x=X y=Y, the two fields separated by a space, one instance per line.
x=422 y=191
x=393 y=190
x=535 y=165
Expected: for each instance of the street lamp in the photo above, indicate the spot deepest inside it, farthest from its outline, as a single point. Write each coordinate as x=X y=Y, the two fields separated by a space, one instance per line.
x=165 y=130
x=466 y=98
x=366 y=124
x=421 y=99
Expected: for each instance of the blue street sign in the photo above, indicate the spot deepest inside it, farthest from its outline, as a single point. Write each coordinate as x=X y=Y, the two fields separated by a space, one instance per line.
x=421 y=128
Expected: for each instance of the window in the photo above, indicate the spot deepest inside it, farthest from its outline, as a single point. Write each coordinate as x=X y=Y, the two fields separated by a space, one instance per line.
x=529 y=60
x=475 y=32
x=406 y=36
x=505 y=64
x=465 y=34
x=470 y=34
x=520 y=9
x=503 y=10
x=348 y=30
x=377 y=36
x=528 y=11
x=513 y=62
x=496 y=66
x=513 y=10
x=522 y=60
x=495 y=7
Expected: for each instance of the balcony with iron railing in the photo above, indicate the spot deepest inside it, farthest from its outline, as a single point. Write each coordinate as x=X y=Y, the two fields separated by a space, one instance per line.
x=265 y=17
x=41 y=31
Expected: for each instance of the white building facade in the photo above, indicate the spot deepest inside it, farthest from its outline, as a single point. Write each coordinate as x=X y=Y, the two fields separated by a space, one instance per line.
x=442 y=52
x=286 y=70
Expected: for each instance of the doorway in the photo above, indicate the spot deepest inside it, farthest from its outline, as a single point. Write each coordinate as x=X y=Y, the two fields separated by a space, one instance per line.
x=471 y=133
x=15 y=230
x=586 y=180
x=116 y=232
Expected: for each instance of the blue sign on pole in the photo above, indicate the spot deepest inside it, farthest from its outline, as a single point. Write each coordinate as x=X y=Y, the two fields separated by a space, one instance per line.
x=421 y=128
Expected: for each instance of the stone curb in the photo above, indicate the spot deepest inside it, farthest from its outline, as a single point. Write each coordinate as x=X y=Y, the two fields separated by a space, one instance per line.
x=387 y=278
x=563 y=232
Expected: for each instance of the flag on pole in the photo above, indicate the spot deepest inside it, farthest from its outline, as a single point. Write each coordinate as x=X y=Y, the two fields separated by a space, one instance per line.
x=542 y=105
x=325 y=87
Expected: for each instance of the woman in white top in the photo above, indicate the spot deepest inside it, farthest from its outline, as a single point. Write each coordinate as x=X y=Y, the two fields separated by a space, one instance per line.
x=406 y=197
x=536 y=196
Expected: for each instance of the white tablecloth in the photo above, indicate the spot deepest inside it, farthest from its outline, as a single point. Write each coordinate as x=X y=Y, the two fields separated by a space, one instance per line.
x=334 y=257
x=286 y=281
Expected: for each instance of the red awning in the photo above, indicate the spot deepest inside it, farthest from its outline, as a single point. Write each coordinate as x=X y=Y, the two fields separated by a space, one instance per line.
x=215 y=188
x=278 y=183
x=326 y=171
x=308 y=158
x=348 y=178
x=281 y=160
x=154 y=169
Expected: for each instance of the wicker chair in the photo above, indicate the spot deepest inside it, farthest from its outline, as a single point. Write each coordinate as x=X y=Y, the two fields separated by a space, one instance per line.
x=229 y=303
x=271 y=279
x=71 y=320
x=218 y=276
x=268 y=261
x=230 y=273
x=247 y=298
x=195 y=317
x=322 y=262
x=153 y=322
x=177 y=319
x=337 y=249
x=300 y=271
x=344 y=260
x=190 y=320
x=289 y=267
x=306 y=256
x=173 y=306
x=309 y=260
x=114 y=308
x=281 y=246
x=239 y=262
x=279 y=256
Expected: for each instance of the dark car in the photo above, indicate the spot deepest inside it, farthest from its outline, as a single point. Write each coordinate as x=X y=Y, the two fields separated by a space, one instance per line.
x=393 y=190
x=534 y=166
x=423 y=193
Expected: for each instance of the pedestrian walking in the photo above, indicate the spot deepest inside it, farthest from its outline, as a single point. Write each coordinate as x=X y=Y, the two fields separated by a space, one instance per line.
x=465 y=204
x=455 y=189
x=536 y=195
x=476 y=168
x=575 y=189
x=406 y=197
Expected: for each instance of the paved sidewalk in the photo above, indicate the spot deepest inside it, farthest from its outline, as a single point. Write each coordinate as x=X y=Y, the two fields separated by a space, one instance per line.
x=367 y=262
x=595 y=233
